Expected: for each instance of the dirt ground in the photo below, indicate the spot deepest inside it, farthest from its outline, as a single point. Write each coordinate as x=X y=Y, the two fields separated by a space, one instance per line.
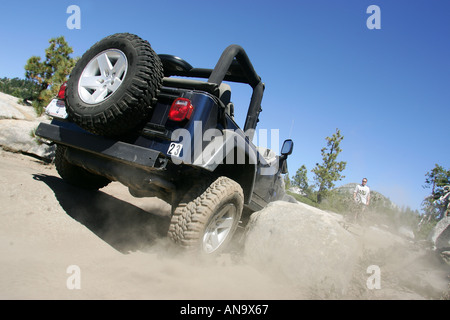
x=47 y=226
x=115 y=248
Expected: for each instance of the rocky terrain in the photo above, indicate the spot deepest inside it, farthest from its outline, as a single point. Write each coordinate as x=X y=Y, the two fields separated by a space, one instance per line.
x=17 y=126
x=117 y=246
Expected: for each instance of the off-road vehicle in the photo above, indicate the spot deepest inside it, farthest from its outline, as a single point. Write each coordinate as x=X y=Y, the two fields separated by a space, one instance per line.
x=130 y=115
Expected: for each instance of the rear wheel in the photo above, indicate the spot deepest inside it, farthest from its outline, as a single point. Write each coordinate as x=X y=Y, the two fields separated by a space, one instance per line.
x=112 y=88
x=207 y=218
x=76 y=175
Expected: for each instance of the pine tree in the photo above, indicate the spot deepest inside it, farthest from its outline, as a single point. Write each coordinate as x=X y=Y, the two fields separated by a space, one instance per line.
x=287 y=181
x=330 y=170
x=300 y=179
x=20 y=88
x=50 y=73
x=436 y=179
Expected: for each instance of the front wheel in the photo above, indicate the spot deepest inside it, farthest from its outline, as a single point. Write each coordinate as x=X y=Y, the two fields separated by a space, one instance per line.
x=207 y=219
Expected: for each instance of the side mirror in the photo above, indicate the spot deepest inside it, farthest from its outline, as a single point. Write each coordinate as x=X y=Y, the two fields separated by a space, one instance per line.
x=288 y=146
x=286 y=149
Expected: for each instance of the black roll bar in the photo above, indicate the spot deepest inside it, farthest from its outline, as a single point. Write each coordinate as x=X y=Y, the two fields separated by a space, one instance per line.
x=233 y=65
x=220 y=71
x=225 y=61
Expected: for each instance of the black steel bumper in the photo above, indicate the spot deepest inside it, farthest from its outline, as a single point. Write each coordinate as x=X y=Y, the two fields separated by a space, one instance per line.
x=100 y=146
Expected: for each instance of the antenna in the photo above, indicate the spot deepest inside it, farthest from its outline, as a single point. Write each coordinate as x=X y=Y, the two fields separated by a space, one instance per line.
x=290 y=130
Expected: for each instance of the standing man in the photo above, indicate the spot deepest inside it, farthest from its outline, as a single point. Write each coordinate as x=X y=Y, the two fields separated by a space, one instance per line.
x=361 y=195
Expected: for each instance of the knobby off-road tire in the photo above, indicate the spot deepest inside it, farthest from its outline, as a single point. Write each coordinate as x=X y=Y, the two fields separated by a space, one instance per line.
x=113 y=87
x=206 y=219
x=76 y=175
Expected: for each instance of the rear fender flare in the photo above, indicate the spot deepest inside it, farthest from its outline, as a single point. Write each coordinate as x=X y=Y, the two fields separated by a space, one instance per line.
x=230 y=147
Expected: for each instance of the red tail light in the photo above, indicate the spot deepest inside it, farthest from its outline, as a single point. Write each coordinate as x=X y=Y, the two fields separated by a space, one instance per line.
x=181 y=109
x=62 y=91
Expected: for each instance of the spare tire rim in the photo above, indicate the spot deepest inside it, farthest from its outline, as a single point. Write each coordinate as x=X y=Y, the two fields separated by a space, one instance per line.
x=218 y=228
x=102 y=76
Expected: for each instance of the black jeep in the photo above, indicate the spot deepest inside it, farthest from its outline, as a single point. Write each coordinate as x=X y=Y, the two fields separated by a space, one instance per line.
x=127 y=114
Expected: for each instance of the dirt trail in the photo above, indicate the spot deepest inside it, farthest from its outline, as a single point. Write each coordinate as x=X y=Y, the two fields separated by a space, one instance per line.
x=118 y=244
x=47 y=226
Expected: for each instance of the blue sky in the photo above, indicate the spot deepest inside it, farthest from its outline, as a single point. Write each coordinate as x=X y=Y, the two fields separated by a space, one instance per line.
x=386 y=89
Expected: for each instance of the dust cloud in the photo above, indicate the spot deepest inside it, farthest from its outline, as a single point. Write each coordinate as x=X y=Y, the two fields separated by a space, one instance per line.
x=119 y=244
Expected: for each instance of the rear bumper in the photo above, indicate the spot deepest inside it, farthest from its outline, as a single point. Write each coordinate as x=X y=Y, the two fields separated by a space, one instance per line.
x=100 y=146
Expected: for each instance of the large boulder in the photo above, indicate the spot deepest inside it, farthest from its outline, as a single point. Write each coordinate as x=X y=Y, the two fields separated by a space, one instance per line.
x=17 y=126
x=440 y=235
x=302 y=245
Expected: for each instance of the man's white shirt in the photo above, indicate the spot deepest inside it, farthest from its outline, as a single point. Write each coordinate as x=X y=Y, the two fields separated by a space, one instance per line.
x=362 y=193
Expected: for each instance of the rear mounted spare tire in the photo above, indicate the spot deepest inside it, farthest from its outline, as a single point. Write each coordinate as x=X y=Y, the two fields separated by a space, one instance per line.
x=113 y=87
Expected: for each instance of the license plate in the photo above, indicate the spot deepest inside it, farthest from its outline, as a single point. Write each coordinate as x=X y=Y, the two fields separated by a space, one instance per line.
x=175 y=149
x=56 y=108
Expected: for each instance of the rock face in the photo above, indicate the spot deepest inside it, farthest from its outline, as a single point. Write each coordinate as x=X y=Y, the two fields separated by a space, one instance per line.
x=440 y=235
x=17 y=125
x=325 y=258
x=303 y=246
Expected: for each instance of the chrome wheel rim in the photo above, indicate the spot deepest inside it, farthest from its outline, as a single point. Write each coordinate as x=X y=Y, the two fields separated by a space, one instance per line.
x=102 y=76
x=219 y=227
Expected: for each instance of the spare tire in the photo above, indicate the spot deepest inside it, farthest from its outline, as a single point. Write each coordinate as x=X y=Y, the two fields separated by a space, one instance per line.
x=113 y=87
